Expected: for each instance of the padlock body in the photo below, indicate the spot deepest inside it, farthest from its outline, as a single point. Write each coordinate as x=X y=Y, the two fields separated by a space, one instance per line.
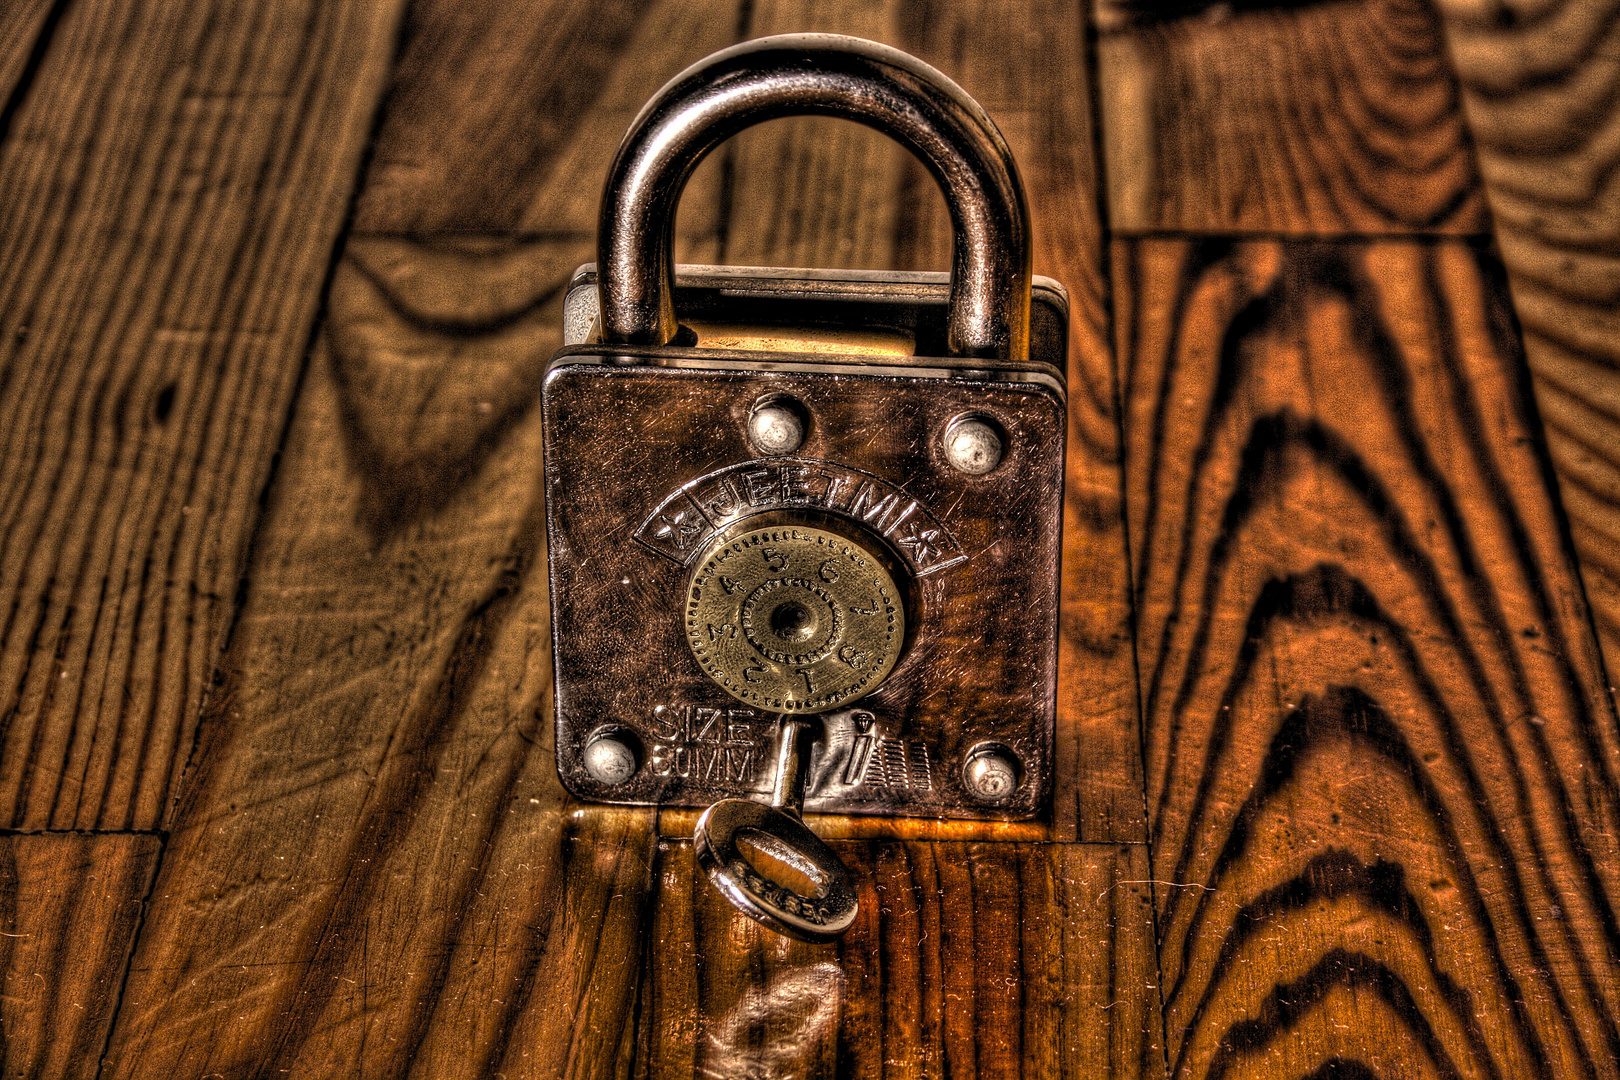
x=649 y=466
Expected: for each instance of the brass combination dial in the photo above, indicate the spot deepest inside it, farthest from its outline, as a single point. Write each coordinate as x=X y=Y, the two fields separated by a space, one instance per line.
x=793 y=618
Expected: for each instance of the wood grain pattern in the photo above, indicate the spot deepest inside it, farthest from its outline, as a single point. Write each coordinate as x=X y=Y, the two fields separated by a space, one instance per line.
x=968 y=959
x=374 y=869
x=69 y=908
x=171 y=185
x=1310 y=119
x=1381 y=770
x=1381 y=766
x=25 y=34
x=503 y=117
x=1541 y=91
x=370 y=866
x=812 y=191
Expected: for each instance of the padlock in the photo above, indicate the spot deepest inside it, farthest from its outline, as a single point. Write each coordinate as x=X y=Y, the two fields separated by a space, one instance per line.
x=804 y=525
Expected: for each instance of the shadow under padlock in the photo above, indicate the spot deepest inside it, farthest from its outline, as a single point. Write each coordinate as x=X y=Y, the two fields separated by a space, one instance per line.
x=804 y=526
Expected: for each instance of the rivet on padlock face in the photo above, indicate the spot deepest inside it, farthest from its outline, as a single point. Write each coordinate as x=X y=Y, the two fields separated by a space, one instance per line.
x=974 y=444
x=992 y=773
x=841 y=510
x=611 y=756
x=777 y=425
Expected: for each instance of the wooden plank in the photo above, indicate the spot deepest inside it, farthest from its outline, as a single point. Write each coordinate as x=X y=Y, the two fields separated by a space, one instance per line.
x=70 y=905
x=970 y=958
x=503 y=117
x=967 y=959
x=837 y=191
x=171 y=187
x=1322 y=118
x=578 y=1015
x=1540 y=86
x=25 y=33
x=1382 y=771
x=375 y=869
x=369 y=866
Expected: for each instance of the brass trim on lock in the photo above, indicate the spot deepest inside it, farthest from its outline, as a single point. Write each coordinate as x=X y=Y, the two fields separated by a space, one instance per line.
x=825 y=340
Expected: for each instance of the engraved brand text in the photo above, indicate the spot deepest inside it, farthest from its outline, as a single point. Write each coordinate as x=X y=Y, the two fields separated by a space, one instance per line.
x=687 y=516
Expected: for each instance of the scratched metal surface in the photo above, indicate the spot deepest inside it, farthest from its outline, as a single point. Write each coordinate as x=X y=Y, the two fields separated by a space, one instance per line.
x=645 y=463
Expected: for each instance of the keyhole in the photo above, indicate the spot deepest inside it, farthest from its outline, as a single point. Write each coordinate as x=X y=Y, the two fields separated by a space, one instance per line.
x=792 y=622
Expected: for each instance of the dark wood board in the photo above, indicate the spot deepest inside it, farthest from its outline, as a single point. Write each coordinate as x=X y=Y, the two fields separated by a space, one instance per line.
x=1303 y=119
x=369 y=861
x=976 y=995
x=818 y=192
x=1381 y=766
x=375 y=865
x=968 y=959
x=25 y=32
x=503 y=117
x=174 y=180
x=1541 y=91
x=70 y=904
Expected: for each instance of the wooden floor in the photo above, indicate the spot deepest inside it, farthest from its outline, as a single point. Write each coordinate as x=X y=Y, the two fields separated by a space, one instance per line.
x=1339 y=789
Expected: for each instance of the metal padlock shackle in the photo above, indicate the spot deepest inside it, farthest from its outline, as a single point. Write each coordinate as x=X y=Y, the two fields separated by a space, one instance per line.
x=822 y=75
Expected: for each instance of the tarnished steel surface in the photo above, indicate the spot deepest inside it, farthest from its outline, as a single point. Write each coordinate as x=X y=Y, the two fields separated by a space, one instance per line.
x=648 y=459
